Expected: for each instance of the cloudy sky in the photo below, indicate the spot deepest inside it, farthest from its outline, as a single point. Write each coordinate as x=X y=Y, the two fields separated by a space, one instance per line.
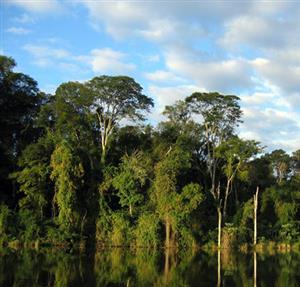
x=172 y=48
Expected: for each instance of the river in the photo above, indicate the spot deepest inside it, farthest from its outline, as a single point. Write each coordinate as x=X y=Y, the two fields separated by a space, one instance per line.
x=119 y=267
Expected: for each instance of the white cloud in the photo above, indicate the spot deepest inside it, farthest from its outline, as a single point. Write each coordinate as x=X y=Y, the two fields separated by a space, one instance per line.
x=256 y=31
x=164 y=96
x=125 y=18
x=273 y=127
x=169 y=95
x=37 y=6
x=249 y=49
x=223 y=75
x=283 y=71
x=109 y=61
x=45 y=53
x=164 y=76
x=102 y=61
x=18 y=30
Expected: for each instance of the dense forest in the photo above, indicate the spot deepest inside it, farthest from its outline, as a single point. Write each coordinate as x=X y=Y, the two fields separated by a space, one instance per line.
x=85 y=166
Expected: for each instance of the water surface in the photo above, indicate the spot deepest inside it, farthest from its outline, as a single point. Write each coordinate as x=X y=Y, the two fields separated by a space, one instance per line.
x=118 y=267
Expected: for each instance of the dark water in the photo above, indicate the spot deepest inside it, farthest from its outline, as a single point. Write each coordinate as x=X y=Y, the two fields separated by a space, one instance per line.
x=145 y=268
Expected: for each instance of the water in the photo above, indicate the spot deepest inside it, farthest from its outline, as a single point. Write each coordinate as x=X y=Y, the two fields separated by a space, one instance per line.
x=118 y=267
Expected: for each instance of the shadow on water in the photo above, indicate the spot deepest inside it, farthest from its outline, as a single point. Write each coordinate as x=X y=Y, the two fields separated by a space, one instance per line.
x=119 y=267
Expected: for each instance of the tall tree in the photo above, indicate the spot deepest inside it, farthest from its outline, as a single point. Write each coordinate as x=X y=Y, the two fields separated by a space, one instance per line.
x=220 y=116
x=236 y=153
x=114 y=99
x=20 y=100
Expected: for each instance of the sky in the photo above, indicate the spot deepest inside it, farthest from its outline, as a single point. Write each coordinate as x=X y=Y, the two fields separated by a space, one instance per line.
x=172 y=48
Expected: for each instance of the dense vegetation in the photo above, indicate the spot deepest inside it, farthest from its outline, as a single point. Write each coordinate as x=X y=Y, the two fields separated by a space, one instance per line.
x=80 y=166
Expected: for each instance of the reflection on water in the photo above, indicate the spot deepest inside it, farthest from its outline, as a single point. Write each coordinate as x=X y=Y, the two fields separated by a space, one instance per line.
x=118 y=267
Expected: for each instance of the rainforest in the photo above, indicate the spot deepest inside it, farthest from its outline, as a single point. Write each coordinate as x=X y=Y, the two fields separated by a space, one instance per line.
x=84 y=168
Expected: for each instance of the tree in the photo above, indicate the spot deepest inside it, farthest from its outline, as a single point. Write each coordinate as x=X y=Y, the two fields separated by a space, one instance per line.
x=178 y=114
x=173 y=201
x=220 y=116
x=131 y=178
x=67 y=173
x=20 y=101
x=280 y=163
x=34 y=176
x=114 y=99
x=235 y=152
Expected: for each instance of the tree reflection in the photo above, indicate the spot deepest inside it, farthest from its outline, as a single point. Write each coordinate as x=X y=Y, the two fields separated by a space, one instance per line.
x=143 y=267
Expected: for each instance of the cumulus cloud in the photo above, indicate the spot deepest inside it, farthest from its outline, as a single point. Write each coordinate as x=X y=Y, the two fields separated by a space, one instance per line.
x=109 y=61
x=260 y=33
x=124 y=18
x=249 y=49
x=222 y=75
x=272 y=127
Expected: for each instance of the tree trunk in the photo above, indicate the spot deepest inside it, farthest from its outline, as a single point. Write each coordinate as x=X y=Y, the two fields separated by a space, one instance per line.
x=219 y=269
x=130 y=210
x=254 y=269
x=219 y=226
x=103 y=154
x=167 y=265
x=225 y=199
x=255 y=204
x=168 y=231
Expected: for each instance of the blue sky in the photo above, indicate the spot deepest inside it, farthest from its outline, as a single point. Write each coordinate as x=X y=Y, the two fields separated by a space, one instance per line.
x=172 y=48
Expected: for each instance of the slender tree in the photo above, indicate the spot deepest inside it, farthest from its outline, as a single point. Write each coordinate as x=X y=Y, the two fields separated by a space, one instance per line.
x=220 y=116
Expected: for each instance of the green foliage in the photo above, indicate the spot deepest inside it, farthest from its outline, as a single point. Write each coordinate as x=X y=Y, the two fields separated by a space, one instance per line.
x=70 y=171
x=290 y=232
x=29 y=226
x=131 y=178
x=230 y=236
x=20 y=100
x=6 y=223
x=283 y=201
x=186 y=238
x=67 y=172
x=104 y=222
x=147 y=230
x=34 y=176
x=121 y=234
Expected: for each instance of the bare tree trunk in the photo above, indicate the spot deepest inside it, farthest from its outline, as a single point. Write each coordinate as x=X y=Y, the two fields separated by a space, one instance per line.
x=219 y=269
x=219 y=226
x=254 y=269
x=226 y=198
x=255 y=204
